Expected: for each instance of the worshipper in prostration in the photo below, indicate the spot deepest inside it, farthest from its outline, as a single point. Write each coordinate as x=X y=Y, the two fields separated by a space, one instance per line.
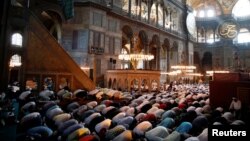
x=235 y=107
x=174 y=115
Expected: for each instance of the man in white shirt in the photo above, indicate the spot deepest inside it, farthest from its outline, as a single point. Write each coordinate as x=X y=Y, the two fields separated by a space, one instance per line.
x=235 y=107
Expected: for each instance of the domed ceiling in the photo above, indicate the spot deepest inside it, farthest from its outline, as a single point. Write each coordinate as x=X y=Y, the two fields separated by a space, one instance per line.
x=220 y=6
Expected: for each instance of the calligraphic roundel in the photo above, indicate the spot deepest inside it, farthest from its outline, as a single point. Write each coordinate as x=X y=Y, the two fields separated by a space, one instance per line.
x=228 y=29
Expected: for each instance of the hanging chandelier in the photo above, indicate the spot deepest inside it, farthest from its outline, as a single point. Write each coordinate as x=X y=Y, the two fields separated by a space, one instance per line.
x=187 y=70
x=183 y=67
x=134 y=58
x=137 y=57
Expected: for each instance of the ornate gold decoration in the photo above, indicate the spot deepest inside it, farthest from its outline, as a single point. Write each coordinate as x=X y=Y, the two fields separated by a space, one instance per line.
x=137 y=53
x=227 y=4
x=228 y=29
x=134 y=58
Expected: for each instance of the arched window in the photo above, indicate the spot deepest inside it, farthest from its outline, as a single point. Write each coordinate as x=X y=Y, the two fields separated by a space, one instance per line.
x=201 y=35
x=202 y=14
x=210 y=13
x=17 y=39
x=243 y=36
x=210 y=39
x=125 y=4
x=135 y=8
x=160 y=15
x=241 y=8
x=153 y=14
x=15 y=61
x=144 y=11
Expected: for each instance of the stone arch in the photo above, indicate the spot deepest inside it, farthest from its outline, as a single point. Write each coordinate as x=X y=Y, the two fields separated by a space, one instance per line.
x=127 y=30
x=127 y=36
x=110 y=83
x=44 y=6
x=143 y=37
x=166 y=45
x=197 y=61
x=124 y=42
x=175 y=46
x=165 y=53
x=140 y=41
x=174 y=53
x=210 y=35
x=207 y=61
x=119 y=84
x=155 y=49
x=52 y=21
x=153 y=13
x=201 y=34
x=127 y=42
x=175 y=19
x=126 y=86
x=114 y=84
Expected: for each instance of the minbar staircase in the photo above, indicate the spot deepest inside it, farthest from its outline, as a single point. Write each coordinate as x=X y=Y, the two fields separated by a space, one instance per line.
x=45 y=57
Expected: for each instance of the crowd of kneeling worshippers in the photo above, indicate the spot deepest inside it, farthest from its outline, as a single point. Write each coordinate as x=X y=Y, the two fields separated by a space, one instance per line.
x=181 y=113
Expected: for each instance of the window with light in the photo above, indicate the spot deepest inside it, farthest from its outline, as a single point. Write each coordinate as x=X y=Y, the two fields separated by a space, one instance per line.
x=15 y=61
x=241 y=8
x=17 y=39
x=210 y=13
x=202 y=14
x=243 y=36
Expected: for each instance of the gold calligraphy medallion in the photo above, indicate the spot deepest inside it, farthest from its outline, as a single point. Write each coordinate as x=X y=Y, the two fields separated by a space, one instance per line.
x=228 y=29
